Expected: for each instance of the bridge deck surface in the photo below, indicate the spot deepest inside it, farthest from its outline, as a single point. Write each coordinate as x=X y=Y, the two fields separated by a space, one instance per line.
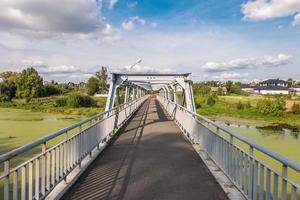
x=149 y=159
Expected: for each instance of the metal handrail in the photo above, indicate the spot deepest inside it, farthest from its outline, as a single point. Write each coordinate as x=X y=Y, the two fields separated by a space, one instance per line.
x=9 y=155
x=292 y=164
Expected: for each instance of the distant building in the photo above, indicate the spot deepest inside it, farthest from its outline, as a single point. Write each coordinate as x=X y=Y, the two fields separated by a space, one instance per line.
x=272 y=86
x=217 y=89
x=248 y=90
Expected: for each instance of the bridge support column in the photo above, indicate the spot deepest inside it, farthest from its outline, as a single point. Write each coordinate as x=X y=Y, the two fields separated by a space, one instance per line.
x=189 y=96
x=174 y=93
x=126 y=100
x=114 y=84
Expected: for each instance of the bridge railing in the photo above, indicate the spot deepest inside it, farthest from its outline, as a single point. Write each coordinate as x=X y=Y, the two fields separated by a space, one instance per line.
x=253 y=177
x=36 y=177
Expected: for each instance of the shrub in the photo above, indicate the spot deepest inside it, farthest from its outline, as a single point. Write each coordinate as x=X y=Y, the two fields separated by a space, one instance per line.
x=61 y=102
x=240 y=106
x=76 y=100
x=296 y=108
x=272 y=107
x=248 y=105
x=211 y=100
x=51 y=89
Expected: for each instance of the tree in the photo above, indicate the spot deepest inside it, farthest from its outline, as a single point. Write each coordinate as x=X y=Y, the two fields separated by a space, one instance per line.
x=102 y=78
x=7 y=86
x=51 y=89
x=92 y=86
x=290 y=82
x=228 y=85
x=29 y=84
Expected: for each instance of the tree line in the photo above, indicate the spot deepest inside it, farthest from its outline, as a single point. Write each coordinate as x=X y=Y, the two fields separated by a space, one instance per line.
x=28 y=84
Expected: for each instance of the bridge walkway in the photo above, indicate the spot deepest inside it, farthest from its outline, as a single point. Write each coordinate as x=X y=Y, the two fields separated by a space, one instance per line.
x=149 y=159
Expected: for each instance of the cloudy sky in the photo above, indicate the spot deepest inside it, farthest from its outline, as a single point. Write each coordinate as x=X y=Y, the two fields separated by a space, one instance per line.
x=68 y=40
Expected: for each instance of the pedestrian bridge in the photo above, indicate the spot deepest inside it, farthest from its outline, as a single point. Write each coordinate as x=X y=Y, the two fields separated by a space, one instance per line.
x=149 y=147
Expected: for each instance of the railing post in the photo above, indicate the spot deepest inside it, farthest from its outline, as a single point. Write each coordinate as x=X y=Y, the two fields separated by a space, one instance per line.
x=66 y=157
x=284 y=182
x=79 y=147
x=43 y=189
x=6 y=180
x=250 y=189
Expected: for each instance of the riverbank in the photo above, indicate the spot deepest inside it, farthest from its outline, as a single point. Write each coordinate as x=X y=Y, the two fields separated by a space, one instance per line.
x=49 y=105
x=225 y=109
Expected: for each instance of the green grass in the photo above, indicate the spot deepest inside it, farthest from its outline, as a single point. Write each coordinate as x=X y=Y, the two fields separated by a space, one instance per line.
x=47 y=105
x=225 y=108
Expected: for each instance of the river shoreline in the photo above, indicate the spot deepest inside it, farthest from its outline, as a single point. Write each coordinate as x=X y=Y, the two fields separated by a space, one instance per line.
x=251 y=121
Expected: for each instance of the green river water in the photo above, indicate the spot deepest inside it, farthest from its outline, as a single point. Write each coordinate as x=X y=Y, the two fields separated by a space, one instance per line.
x=19 y=127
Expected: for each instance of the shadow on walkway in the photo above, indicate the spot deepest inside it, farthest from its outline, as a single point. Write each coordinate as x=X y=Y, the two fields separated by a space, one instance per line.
x=149 y=159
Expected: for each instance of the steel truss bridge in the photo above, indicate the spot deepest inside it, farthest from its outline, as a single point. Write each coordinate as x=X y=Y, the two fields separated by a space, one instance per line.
x=150 y=147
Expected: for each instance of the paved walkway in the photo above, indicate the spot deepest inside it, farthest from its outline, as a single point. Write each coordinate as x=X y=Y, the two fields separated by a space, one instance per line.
x=149 y=159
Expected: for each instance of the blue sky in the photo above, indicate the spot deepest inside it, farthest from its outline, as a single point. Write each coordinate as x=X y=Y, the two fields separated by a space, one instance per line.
x=212 y=39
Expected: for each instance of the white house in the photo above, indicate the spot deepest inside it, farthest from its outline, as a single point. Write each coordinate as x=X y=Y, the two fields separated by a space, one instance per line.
x=272 y=86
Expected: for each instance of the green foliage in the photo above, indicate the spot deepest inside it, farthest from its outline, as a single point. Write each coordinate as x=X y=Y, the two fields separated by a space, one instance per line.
x=296 y=108
x=248 y=104
x=61 y=102
x=212 y=99
x=29 y=84
x=240 y=106
x=234 y=88
x=7 y=86
x=271 y=107
x=92 y=86
x=51 y=89
x=102 y=79
x=220 y=91
x=76 y=100
x=201 y=89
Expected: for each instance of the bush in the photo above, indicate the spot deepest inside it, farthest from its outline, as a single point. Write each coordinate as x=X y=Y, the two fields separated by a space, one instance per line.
x=61 y=102
x=211 y=100
x=240 y=106
x=92 y=86
x=248 y=105
x=296 y=108
x=76 y=100
x=51 y=89
x=271 y=107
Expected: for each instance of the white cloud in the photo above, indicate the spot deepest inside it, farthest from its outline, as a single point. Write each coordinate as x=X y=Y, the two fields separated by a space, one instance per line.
x=231 y=76
x=269 y=9
x=296 y=21
x=130 y=24
x=55 y=16
x=58 y=19
x=143 y=69
x=132 y=4
x=111 y=4
x=247 y=63
x=108 y=29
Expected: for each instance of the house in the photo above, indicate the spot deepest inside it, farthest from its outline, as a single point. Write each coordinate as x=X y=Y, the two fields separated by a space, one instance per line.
x=219 y=89
x=248 y=90
x=272 y=86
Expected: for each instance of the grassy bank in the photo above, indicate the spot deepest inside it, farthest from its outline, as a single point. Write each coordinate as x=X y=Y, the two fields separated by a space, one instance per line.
x=49 y=105
x=225 y=109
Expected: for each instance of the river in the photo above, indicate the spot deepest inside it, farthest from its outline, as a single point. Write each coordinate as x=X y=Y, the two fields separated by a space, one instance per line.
x=19 y=127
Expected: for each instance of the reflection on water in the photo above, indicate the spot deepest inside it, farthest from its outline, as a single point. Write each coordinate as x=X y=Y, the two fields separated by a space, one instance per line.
x=282 y=130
